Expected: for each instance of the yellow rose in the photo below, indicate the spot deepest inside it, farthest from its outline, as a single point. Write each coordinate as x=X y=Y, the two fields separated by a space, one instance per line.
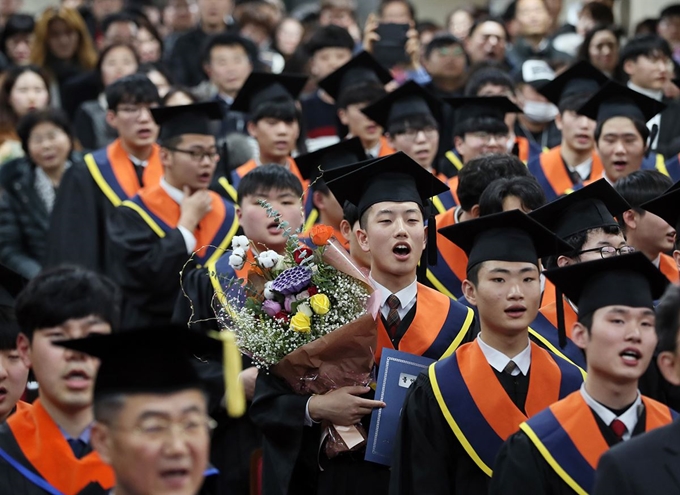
x=320 y=304
x=301 y=323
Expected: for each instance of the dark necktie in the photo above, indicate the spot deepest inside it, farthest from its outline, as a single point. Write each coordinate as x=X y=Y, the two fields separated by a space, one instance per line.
x=78 y=447
x=393 y=319
x=139 y=170
x=510 y=368
x=618 y=428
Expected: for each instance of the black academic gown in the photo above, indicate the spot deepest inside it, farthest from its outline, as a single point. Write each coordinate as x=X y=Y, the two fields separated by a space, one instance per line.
x=520 y=468
x=649 y=464
x=146 y=267
x=77 y=233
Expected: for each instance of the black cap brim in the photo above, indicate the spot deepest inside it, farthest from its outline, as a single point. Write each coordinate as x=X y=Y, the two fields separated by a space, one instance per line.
x=594 y=206
x=616 y=100
x=344 y=153
x=470 y=107
x=186 y=119
x=408 y=100
x=263 y=86
x=362 y=68
x=666 y=206
x=11 y=284
x=581 y=78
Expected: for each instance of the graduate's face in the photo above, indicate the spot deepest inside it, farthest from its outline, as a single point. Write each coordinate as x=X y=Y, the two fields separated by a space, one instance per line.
x=649 y=72
x=507 y=295
x=394 y=236
x=620 y=147
x=419 y=144
x=260 y=228
x=276 y=138
x=66 y=377
x=649 y=233
x=134 y=123
x=620 y=342
x=578 y=131
x=328 y=60
x=13 y=376
x=476 y=144
x=229 y=68
x=359 y=124
x=157 y=444
x=183 y=169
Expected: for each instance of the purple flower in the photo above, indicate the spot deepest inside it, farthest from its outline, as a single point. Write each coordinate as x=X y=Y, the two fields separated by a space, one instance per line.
x=271 y=307
x=292 y=280
x=288 y=302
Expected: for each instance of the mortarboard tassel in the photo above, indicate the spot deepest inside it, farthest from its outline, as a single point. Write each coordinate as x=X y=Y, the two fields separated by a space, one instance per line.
x=231 y=362
x=561 y=331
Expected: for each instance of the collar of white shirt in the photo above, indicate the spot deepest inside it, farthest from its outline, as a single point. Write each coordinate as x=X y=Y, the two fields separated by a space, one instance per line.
x=628 y=418
x=137 y=162
x=583 y=169
x=406 y=296
x=499 y=361
x=176 y=195
x=375 y=151
x=652 y=93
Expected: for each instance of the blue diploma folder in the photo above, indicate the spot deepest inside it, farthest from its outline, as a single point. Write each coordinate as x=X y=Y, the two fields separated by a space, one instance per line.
x=398 y=370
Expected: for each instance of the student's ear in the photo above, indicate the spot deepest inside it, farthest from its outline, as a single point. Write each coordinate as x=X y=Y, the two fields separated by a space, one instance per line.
x=206 y=69
x=580 y=335
x=629 y=66
x=342 y=115
x=239 y=213
x=459 y=144
x=564 y=261
x=24 y=349
x=100 y=438
x=558 y=121
x=165 y=156
x=676 y=257
x=630 y=218
x=345 y=229
x=111 y=118
x=474 y=211
x=469 y=291
x=362 y=238
x=252 y=129
x=668 y=365
x=318 y=199
x=425 y=237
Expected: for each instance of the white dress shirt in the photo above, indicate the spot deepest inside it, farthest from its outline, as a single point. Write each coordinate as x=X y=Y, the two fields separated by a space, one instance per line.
x=499 y=361
x=177 y=196
x=406 y=296
x=583 y=169
x=628 y=418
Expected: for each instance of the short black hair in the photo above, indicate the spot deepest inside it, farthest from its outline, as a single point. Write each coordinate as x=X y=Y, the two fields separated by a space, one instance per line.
x=9 y=328
x=577 y=241
x=478 y=173
x=480 y=124
x=179 y=89
x=640 y=126
x=639 y=187
x=526 y=188
x=440 y=41
x=264 y=178
x=350 y=213
x=16 y=24
x=572 y=103
x=416 y=121
x=488 y=75
x=645 y=45
x=672 y=10
x=229 y=39
x=32 y=119
x=278 y=108
x=668 y=319
x=359 y=93
x=409 y=6
x=116 y=18
x=598 y=12
x=135 y=88
x=473 y=273
x=329 y=37
x=62 y=293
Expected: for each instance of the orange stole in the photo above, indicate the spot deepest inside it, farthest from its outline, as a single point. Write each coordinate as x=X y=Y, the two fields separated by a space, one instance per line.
x=570 y=316
x=669 y=268
x=385 y=148
x=48 y=451
x=548 y=296
x=290 y=163
x=555 y=171
x=168 y=211
x=424 y=328
x=454 y=257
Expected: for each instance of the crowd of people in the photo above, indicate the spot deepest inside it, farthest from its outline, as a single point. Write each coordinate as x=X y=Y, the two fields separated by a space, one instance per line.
x=509 y=185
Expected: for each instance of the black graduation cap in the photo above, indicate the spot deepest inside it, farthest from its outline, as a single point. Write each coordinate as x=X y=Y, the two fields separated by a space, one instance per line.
x=594 y=206
x=616 y=100
x=627 y=280
x=407 y=100
x=344 y=153
x=393 y=178
x=11 y=283
x=580 y=78
x=506 y=236
x=363 y=68
x=158 y=359
x=470 y=107
x=186 y=119
x=263 y=86
x=667 y=206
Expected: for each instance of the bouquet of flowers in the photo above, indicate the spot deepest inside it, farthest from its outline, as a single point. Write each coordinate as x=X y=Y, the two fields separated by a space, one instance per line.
x=306 y=316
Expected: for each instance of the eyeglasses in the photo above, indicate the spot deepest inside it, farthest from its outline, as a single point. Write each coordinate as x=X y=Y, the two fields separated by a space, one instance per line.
x=608 y=251
x=452 y=51
x=134 y=111
x=411 y=134
x=157 y=429
x=198 y=155
x=486 y=137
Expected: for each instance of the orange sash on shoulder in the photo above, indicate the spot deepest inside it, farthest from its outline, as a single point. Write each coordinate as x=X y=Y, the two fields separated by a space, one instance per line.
x=570 y=316
x=385 y=148
x=47 y=450
x=668 y=267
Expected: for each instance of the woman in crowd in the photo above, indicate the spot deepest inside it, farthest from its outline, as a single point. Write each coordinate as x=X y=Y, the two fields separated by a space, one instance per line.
x=24 y=89
x=177 y=96
x=601 y=48
x=17 y=38
x=29 y=186
x=62 y=47
x=148 y=44
x=91 y=130
x=158 y=75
